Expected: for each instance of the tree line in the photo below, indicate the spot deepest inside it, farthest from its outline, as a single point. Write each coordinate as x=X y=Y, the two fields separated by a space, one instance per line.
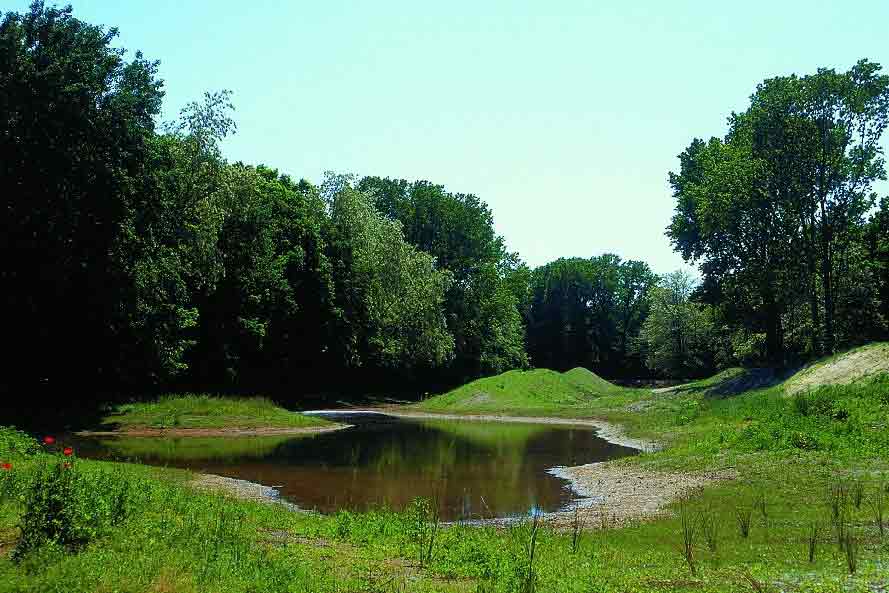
x=137 y=258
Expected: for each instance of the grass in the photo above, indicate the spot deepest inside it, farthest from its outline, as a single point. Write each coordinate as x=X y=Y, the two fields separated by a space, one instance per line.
x=811 y=475
x=208 y=412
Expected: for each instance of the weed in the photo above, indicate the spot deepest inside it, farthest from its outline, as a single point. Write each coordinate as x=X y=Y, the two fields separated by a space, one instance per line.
x=850 y=547
x=576 y=527
x=689 y=526
x=838 y=503
x=744 y=516
x=878 y=507
x=528 y=582
x=812 y=540
x=710 y=529
x=425 y=521
x=857 y=493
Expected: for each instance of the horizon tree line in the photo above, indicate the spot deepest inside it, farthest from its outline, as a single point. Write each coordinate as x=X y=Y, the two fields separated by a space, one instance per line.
x=138 y=259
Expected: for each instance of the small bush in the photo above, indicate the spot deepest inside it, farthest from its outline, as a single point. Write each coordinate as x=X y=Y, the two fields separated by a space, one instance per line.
x=69 y=508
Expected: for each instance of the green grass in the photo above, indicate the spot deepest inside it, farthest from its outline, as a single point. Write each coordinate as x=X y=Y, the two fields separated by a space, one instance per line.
x=168 y=537
x=791 y=456
x=204 y=411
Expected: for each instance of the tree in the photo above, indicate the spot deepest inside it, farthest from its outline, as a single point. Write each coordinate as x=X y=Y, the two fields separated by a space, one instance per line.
x=676 y=337
x=76 y=129
x=458 y=230
x=390 y=295
x=774 y=210
x=584 y=312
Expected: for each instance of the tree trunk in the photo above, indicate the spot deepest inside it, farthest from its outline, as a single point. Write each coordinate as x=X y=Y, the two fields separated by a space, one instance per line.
x=774 y=329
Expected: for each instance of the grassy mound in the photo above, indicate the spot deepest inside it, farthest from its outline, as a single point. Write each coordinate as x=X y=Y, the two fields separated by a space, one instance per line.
x=204 y=411
x=523 y=392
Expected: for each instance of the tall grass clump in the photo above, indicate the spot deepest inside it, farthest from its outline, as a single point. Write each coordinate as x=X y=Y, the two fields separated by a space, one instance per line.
x=528 y=576
x=689 y=524
x=838 y=505
x=424 y=520
x=710 y=529
x=850 y=549
x=878 y=507
x=576 y=528
x=744 y=517
x=812 y=540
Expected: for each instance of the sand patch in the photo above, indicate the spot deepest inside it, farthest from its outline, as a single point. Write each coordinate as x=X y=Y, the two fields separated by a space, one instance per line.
x=614 y=494
x=844 y=369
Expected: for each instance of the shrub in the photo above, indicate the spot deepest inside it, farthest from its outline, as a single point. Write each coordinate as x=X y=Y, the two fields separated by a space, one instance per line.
x=69 y=508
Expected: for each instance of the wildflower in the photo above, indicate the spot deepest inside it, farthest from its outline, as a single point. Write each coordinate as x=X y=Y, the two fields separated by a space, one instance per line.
x=49 y=440
x=6 y=466
x=67 y=451
x=66 y=465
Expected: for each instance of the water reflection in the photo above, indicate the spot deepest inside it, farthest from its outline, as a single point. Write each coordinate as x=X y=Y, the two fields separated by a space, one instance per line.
x=472 y=469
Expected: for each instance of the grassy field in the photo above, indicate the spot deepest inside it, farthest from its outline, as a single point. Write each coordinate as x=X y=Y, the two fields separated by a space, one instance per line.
x=807 y=512
x=204 y=411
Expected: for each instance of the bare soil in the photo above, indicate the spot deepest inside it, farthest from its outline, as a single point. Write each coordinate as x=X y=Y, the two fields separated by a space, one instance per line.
x=845 y=369
x=619 y=493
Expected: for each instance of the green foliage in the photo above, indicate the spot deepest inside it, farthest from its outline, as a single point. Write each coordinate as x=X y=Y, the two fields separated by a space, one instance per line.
x=586 y=312
x=677 y=336
x=485 y=304
x=390 y=293
x=64 y=507
x=15 y=444
x=775 y=211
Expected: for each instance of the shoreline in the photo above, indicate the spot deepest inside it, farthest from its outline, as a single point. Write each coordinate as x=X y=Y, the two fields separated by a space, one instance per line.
x=148 y=432
x=607 y=493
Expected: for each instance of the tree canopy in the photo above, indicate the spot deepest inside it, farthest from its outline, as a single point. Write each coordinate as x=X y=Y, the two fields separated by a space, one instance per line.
x=138 y=258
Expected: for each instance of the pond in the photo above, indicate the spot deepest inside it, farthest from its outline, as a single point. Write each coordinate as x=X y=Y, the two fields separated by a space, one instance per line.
x=473 y=469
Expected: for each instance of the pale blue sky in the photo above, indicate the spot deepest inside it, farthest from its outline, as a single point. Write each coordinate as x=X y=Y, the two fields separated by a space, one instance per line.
x=565 y=117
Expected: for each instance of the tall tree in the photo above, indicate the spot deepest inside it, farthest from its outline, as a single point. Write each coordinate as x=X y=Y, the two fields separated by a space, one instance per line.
x=390 y=294
x=676 y=337
x=76 y=123
x=458 y=230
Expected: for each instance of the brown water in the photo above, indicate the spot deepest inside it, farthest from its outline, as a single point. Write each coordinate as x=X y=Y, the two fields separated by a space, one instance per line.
x=475 y=470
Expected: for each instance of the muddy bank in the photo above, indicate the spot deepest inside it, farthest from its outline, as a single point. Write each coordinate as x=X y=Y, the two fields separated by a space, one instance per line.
x=614 y=494
x=210 y=432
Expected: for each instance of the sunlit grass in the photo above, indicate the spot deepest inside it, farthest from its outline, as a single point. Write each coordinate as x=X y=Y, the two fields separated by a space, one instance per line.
x=205 y=411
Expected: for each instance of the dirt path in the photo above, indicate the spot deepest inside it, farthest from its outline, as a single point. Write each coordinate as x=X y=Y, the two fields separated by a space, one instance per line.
x=211 y=432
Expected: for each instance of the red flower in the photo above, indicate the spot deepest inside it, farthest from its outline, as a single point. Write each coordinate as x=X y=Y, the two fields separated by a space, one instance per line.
x=67 y=451
x=49 y=440
x=6 y=466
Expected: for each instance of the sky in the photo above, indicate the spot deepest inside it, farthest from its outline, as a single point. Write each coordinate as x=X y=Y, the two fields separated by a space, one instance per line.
x=565 y=117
